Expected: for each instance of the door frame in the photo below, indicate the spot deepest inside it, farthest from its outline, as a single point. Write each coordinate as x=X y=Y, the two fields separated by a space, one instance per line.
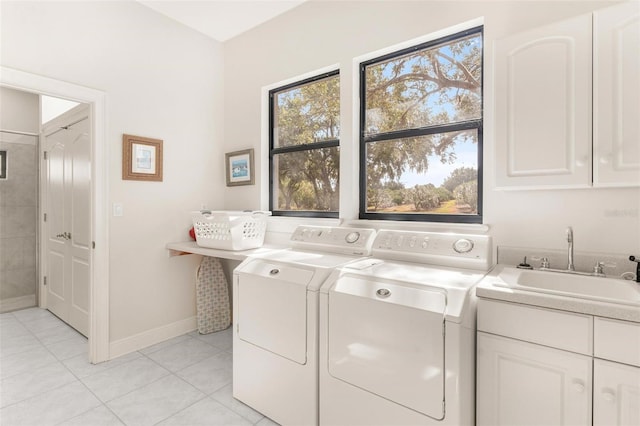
x=99 y=276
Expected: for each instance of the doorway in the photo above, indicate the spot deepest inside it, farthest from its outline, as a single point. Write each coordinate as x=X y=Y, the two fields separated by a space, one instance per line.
x=98 y=298
x=66 y=207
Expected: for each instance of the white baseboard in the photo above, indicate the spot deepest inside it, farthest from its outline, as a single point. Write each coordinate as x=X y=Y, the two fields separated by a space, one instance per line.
x=151 y=337
x=15 y=303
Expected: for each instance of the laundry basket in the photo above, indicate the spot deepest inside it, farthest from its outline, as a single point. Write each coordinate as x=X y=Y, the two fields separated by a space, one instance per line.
x=230 y=230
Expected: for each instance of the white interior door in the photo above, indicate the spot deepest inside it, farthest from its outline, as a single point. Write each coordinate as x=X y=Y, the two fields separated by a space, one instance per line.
x=67 y=204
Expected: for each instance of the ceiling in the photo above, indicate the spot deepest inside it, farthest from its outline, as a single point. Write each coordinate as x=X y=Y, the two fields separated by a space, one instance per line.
x=221 y=19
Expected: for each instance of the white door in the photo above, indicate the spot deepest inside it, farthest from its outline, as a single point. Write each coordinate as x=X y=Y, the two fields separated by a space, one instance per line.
x=616 y=394
x=67 y=203
x=520 y=383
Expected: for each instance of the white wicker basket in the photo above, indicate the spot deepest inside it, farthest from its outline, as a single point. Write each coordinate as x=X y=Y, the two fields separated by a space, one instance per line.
x=230 y=230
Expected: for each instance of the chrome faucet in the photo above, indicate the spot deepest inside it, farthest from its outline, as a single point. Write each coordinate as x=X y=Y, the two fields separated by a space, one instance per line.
x=570 y=266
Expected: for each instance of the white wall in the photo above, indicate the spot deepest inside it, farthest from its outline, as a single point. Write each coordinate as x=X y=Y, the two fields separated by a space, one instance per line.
x=321 y=33
x=163 y=81
x=52 y=107
x=19 y=111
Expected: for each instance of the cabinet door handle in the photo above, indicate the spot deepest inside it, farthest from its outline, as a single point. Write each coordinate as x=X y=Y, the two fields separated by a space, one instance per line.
x=578 y=385
x=608 y=394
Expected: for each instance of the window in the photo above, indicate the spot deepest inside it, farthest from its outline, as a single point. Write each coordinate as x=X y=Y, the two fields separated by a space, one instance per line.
x=304 y=153
x=421 y=132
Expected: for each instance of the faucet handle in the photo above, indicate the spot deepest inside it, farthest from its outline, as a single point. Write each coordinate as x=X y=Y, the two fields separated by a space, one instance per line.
x=598 y=269
x=544 y=262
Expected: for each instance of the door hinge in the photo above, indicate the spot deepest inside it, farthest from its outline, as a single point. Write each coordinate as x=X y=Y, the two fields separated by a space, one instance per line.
x=45 y=217
x=45 y=155
x=45 y=280
x=93 y=244
x=444 y=329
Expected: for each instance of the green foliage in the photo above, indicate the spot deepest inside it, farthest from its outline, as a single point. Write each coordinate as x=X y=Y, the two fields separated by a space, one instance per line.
x=425 y=197
x=460 y=175
x=466 y=195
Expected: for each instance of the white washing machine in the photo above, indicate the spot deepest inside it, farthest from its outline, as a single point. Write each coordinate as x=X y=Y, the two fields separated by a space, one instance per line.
x=397 y=332
x=275 y=334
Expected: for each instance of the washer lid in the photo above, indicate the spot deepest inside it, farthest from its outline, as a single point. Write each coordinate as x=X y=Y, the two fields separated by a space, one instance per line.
x=456 y=283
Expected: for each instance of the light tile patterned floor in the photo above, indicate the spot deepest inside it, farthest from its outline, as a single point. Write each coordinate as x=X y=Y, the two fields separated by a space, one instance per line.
x=46 y=379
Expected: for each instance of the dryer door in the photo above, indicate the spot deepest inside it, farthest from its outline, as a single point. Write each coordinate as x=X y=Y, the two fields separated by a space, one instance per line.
x=387 y=338
x=272 y=308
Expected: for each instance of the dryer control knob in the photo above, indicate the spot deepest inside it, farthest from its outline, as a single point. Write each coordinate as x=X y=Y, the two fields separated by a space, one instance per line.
x=352 y=237
x=463 y=245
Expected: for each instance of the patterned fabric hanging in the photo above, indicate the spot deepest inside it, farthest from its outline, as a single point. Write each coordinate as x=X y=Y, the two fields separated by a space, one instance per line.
x=212 y=297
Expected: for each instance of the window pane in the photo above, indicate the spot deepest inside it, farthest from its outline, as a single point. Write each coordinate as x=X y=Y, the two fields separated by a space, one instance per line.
x=435 y=174
x=307 y=180
x=307 y=113
x=437 y=85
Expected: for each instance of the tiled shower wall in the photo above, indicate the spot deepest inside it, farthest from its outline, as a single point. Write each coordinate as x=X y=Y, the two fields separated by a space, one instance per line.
x=18 y=210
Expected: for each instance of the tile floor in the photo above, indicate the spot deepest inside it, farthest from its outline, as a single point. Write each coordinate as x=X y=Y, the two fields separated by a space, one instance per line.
x=46 y=379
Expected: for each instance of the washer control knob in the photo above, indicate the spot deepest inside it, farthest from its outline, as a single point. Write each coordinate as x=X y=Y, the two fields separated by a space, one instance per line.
x=383 y=292
x=425 y=242
x=274 y=271
x=352 y=237
x=463 y=245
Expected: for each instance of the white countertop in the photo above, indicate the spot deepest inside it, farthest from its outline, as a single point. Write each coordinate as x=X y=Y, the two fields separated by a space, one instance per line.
x=191 y=247
x=493 y=287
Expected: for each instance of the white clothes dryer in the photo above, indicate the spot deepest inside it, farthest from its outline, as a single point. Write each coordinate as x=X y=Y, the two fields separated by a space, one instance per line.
x=275 y=334
x=397 y=332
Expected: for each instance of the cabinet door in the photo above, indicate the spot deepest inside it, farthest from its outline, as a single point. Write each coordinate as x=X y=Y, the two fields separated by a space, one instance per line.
x=520 y=383
x=616 y=394
x=543 y=106
x=616 y=94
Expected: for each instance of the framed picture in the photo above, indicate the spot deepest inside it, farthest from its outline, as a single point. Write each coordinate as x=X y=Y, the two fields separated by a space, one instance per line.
x=240 y=168
x=3 y=164
x=141 y=158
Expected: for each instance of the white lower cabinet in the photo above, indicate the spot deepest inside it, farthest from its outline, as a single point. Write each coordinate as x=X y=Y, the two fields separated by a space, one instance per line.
x=521 y=383
x=540 y=366
x=616 y=394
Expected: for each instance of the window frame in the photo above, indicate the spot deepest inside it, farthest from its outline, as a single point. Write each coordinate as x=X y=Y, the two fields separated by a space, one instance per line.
x=273 y=151
x=420 y=131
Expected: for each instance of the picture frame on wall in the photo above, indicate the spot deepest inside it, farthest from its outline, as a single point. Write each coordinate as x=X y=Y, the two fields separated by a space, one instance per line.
x=239 y=168
x=141 y=158
x=3 y=164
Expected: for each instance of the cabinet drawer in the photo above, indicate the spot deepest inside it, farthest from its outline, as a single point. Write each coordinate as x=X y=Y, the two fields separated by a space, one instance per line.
x=617 y=340
x=562 y=330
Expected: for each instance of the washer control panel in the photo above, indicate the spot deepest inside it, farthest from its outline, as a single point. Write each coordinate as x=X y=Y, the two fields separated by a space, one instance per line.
x=341 y=240
x=437 y=248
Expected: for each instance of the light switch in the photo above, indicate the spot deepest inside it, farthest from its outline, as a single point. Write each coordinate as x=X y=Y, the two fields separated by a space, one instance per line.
x=118 y=209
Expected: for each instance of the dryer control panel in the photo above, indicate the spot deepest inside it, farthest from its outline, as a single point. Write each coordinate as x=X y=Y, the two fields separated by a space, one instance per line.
x=435 y=248
x=330 y=239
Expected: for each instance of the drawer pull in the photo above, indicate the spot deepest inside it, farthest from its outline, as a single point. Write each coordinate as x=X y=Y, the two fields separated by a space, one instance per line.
x=274 y=271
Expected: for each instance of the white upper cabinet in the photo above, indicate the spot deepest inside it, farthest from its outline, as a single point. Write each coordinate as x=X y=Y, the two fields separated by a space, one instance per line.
x=543 y=106
x=546 y=92
x=616 y=95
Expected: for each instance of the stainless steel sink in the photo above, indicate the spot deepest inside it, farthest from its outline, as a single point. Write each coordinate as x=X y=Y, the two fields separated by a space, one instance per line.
x=604 y=289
